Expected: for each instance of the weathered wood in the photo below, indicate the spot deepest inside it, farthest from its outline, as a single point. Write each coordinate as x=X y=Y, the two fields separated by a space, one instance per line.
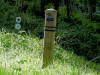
x=49 y=36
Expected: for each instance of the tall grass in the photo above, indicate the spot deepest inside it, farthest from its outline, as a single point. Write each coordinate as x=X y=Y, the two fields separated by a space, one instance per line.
x=22 y=55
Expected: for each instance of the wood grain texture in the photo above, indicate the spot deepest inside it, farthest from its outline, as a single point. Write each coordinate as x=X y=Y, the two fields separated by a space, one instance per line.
x=49 y=37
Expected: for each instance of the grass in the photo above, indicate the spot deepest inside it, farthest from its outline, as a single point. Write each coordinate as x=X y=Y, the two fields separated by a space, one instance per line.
x=22 y=55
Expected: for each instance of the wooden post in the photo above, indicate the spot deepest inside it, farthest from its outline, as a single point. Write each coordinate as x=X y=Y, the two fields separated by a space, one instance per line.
x=49 y=36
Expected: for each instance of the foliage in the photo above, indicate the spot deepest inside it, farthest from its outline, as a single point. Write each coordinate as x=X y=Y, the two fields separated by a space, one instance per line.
x=76 y=18
x=49 y=6
x=33 y=8
x=82 y=40
x=97 y=16
x=62 y=15
x=4 y=72
x=82 y=19
x=80 y=33
x=24 y=56
x=7 y=15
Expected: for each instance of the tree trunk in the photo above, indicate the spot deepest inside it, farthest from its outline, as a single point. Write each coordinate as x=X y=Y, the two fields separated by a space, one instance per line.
x=42 y=8
x=92 y=8
x=56 y=4
x=67 y=3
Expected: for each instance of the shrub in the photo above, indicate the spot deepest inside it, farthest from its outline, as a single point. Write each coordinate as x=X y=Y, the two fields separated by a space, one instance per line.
x=33 y=8
x=50 y=5
x=30 y=21
x=7 y=15
x=33 y=24
x=82 y=40
x=62 y=12
x=97 y=16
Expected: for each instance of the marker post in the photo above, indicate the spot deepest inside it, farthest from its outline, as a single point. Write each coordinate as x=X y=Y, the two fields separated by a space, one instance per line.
x=49 y=37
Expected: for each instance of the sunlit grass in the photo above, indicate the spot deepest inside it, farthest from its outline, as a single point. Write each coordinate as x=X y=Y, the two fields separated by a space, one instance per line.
x=22 y=55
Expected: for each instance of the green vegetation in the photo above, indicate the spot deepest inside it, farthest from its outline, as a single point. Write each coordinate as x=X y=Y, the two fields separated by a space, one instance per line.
x=84 y=42
x=77 y=41
x=22 y=55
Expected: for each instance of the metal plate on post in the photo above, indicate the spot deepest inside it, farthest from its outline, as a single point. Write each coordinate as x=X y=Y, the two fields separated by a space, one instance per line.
x=18 y=19
x=18 y=26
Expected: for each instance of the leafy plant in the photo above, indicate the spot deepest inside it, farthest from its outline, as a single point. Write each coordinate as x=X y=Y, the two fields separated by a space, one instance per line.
x=49 y=6
x=81 y=40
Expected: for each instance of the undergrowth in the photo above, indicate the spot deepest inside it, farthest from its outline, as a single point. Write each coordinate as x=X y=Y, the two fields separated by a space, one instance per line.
x=22 y=55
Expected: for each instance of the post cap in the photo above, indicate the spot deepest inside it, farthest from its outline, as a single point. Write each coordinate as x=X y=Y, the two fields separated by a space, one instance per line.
x=51 y=9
